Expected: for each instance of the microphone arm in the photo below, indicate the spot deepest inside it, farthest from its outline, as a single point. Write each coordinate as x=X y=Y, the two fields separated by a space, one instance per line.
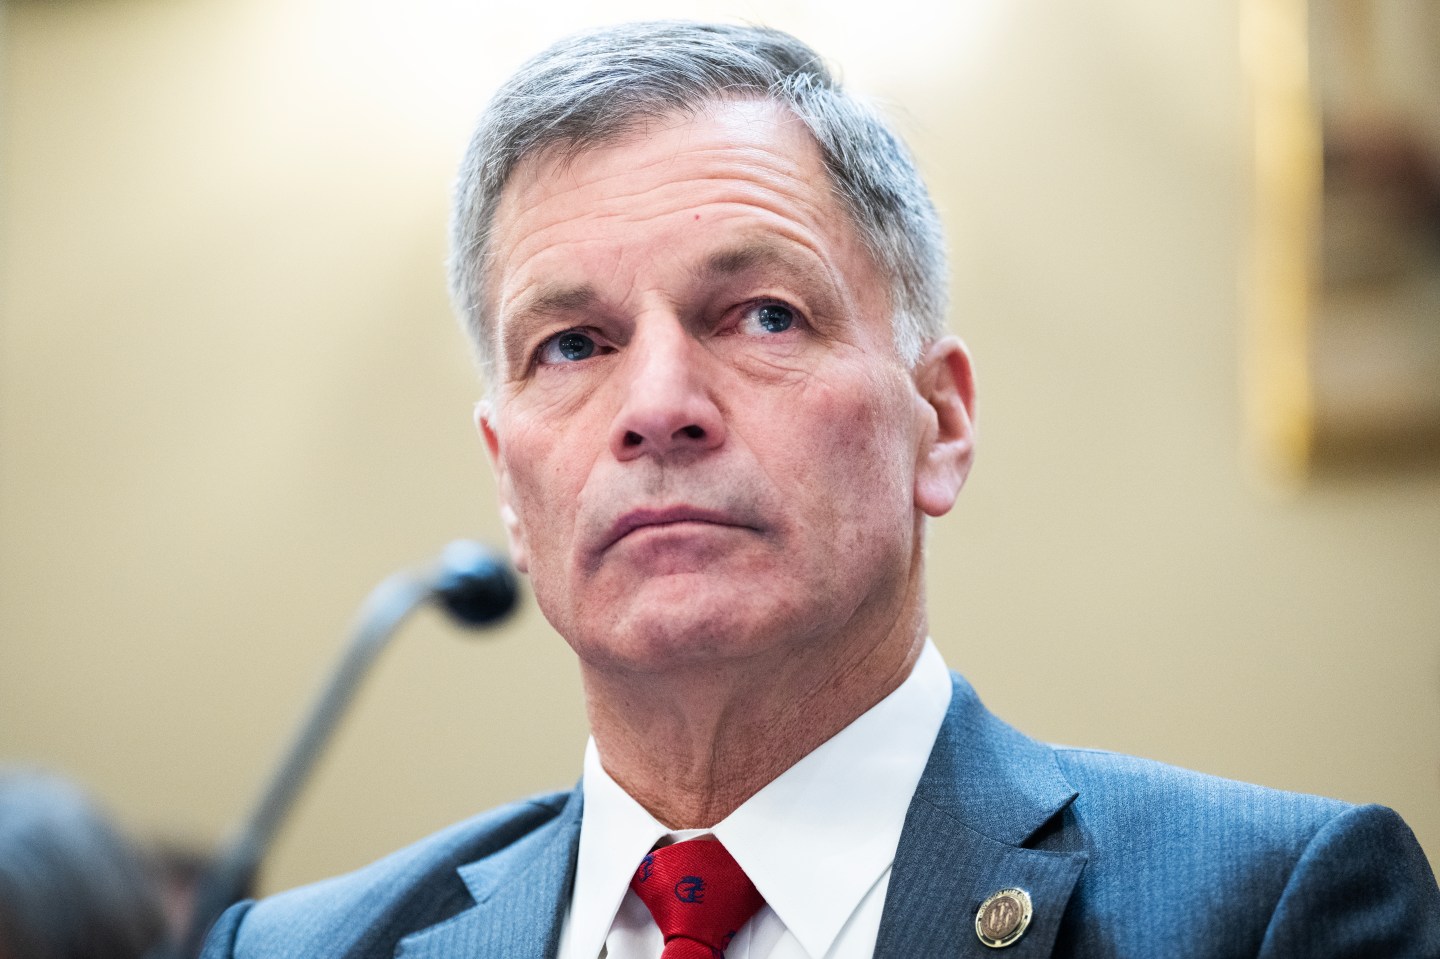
x=474 y=586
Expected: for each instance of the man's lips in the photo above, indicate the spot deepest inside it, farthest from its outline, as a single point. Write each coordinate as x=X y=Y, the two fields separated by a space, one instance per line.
x=651 y=517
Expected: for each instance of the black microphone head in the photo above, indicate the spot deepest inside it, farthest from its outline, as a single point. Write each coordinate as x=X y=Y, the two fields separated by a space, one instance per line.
x=477 y=587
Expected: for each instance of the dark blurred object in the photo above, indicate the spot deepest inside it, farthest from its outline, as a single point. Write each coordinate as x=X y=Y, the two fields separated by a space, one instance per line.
x=1374 y=350
x=474 y=584
x=71 y=886
x=1381 y=203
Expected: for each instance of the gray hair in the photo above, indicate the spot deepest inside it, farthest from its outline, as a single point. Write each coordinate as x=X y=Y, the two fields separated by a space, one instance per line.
x=596 y=87
x=71 y=886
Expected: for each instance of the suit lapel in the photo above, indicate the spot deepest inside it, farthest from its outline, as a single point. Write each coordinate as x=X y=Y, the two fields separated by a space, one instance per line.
x=985 y=791
x=520 y=898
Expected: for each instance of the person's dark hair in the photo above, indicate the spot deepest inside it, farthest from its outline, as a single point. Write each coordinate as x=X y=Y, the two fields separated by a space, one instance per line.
x=71 y=887
x=598 y=86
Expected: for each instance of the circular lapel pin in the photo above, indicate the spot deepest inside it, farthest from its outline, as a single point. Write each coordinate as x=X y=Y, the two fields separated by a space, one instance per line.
x=1003 y=917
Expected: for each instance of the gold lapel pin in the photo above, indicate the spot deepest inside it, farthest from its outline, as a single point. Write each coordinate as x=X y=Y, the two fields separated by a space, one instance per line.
x=1003 y=917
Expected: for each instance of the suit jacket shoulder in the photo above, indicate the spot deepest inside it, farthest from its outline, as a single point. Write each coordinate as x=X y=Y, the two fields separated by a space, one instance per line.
x=1252 y=871
x=368 y=912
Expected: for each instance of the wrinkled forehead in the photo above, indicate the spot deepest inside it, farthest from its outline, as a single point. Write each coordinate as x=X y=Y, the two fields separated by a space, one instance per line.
x=662 y=142
x=733 y=156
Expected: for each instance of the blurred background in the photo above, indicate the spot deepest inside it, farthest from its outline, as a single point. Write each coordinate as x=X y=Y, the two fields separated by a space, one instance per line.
x=233 y=398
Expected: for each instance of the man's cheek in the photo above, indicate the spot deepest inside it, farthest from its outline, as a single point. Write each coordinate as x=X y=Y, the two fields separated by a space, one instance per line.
x=548 y=529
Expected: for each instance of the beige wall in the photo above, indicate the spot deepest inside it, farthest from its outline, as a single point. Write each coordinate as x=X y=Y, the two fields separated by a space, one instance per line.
x=231 y=399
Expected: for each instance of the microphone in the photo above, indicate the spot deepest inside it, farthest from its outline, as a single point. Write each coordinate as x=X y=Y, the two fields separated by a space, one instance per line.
x=477 y=587
x=474 y=585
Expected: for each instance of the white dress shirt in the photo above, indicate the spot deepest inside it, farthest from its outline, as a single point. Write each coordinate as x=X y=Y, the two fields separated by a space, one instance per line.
x=818 y=841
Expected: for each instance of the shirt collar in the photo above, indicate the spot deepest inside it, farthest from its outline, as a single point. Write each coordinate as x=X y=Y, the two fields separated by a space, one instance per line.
x=836 y=813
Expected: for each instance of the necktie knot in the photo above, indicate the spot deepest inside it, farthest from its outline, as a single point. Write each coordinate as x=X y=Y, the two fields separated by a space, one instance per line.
x=698 y=895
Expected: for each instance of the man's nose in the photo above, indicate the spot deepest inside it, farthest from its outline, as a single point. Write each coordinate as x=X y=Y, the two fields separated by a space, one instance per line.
x=669 y=406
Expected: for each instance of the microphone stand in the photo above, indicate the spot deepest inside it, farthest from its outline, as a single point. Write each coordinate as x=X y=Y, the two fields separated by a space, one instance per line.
x=476 y=588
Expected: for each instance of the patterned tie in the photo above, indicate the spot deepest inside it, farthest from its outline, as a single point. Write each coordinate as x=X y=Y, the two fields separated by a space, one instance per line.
x=698 y=895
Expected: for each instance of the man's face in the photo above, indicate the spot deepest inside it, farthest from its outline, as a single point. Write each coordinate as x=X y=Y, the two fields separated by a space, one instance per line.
x=705 y=441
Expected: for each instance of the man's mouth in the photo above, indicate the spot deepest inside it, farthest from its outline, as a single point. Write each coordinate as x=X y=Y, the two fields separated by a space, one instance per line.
x=638 y=520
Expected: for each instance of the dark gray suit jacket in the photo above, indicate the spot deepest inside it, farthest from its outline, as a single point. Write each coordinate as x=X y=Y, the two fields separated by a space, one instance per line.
x=1121 y=857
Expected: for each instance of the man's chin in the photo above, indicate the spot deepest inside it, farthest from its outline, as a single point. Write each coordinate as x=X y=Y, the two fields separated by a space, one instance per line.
x=677 y=636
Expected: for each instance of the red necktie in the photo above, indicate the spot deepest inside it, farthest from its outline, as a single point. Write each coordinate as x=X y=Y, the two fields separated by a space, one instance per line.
x=699 y=896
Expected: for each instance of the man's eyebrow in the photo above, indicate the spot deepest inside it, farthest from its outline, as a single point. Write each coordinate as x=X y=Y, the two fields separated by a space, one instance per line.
x=550 y=300
x=747 y=256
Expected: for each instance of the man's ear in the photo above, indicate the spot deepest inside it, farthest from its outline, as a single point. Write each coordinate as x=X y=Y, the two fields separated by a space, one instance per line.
x=946 y=388
x=485 y=423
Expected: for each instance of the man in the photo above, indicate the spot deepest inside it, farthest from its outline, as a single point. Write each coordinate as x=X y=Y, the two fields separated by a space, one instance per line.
x=707 y=290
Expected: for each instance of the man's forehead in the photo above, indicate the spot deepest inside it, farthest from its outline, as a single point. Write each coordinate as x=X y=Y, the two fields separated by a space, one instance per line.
x=739 y=124
x=688 y=153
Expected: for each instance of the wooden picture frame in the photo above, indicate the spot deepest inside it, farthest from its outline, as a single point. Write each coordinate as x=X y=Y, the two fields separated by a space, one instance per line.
x=1342 y=354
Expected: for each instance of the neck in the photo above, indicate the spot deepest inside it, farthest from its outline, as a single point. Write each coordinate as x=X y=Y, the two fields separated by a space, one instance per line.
x=708 y=738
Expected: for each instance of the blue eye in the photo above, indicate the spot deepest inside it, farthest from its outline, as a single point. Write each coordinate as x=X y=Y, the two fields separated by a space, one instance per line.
x=575 y=346
x=774 y=317
x=569 y=347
